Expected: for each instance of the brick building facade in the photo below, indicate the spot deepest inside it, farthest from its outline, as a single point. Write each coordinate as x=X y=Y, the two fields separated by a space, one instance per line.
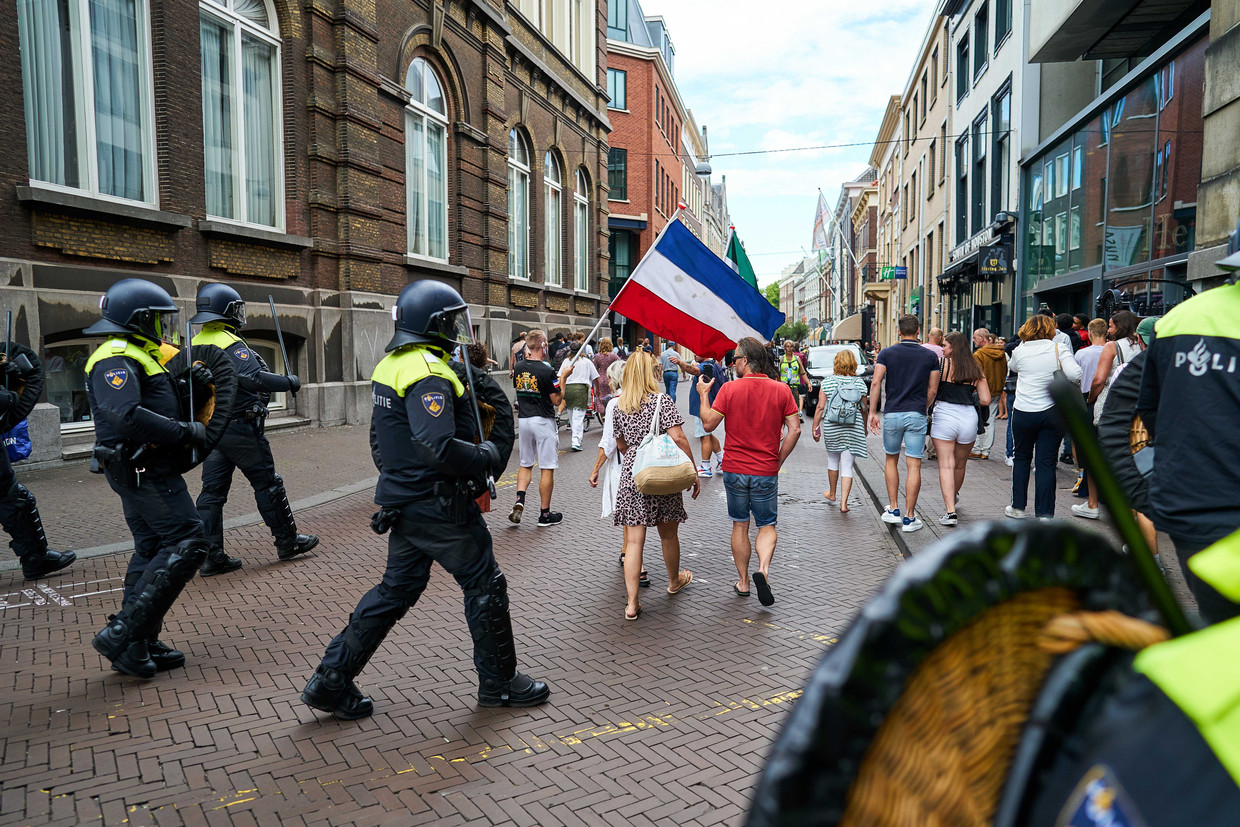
x=326 y=153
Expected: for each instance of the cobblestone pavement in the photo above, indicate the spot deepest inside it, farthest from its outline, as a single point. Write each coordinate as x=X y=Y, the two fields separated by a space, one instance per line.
x=664 y=721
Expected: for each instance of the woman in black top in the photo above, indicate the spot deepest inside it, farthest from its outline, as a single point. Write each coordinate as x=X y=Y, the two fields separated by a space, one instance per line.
x=954 y=425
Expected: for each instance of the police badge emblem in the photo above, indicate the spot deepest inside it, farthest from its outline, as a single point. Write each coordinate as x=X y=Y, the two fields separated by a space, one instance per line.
x=116 y=378
x=243 y=354
x=433 y=402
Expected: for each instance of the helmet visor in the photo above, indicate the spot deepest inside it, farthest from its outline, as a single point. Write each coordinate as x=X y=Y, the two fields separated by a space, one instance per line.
x=452 y=325
x=236 y=312
x=166 y=327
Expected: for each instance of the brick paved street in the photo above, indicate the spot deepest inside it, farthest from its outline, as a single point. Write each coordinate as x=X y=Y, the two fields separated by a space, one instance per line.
x=663 y=721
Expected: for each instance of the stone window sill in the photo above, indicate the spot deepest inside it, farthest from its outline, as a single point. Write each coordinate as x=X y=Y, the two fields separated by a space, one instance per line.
x=433 y=266
x=101 y=208
x=240 y=232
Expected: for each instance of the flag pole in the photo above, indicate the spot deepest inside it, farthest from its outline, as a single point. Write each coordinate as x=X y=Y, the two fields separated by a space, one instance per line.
x=603 y=317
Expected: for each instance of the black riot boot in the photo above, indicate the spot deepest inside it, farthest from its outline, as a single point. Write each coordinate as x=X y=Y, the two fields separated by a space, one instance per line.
x=499 y=682
x=124 y=641
x=331 y=687
x=213 y=529
x=330 y=690
x=20 y=516
x=278 y=514
x=218 y=562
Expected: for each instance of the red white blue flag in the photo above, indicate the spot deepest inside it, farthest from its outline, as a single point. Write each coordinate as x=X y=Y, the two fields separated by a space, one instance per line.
x=685 y=293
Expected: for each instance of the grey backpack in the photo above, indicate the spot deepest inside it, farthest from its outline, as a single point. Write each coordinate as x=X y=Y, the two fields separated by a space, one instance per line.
x=844 y=406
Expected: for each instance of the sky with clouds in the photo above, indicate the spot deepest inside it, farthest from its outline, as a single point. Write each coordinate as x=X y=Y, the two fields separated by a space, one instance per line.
x=784 y=74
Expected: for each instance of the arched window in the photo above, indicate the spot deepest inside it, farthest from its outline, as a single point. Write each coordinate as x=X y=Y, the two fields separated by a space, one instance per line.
x=426 y=162
x=86 y=83
x=518 y=207
x=581 y=233
x=553 y=215
x=242 y=131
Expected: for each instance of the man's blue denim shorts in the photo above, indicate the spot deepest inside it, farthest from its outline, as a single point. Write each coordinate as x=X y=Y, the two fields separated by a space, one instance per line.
x=907 y=427
x=748 y=492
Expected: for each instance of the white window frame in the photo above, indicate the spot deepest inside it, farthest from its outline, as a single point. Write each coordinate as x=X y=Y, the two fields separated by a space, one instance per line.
x=82 y=63
x=581 y=233
x=553 y=219
x=518 y=265
x=420 y=111
x=222 y=12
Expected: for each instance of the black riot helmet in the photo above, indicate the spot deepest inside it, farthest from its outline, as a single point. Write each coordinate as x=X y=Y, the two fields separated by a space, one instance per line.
x=139 y=307
x=432 y=313
x=219 y=303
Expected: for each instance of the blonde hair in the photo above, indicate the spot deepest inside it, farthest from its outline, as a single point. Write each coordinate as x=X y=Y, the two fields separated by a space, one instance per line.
x=637 y=382
x=1038 y=327
x=615 y=375
x=535 y=338
x=845 y=363
x=605 y=346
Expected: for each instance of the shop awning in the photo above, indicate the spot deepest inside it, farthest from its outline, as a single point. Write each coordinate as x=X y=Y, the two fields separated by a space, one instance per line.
x=848 y=330
x=878 y=290
x=960 y=270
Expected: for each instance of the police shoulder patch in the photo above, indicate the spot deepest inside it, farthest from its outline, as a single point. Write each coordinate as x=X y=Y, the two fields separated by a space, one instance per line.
x=116 y=378
x=1099 y=801
x=433 y=402
x=242 y=354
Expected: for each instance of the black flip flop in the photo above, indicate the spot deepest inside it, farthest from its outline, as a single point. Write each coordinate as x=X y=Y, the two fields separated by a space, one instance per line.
x=739 y=593
x=644 y=580
x=765 y=597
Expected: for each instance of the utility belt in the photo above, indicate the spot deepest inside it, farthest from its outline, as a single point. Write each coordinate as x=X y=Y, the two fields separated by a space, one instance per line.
x=123 y=462
x=453 y=498
x=256 y=414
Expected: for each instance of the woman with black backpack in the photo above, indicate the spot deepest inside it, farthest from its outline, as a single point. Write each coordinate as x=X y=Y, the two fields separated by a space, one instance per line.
x=840 y=403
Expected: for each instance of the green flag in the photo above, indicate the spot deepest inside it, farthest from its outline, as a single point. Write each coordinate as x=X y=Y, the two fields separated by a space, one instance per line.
x=739 y=261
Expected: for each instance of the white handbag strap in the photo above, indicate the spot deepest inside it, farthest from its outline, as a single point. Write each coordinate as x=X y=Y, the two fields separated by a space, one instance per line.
x=654 y=421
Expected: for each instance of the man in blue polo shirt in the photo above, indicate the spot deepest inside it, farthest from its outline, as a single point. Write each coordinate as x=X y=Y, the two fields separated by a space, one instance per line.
x=912 y=374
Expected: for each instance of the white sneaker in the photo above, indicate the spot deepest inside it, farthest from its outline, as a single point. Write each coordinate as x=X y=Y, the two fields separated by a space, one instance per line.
x=704 y=471
x=911 y=524
x=1083 y=510
x=892 y=515
x=1008 y=461
x=948 y=519
x=1014 y=513
x=719 y=461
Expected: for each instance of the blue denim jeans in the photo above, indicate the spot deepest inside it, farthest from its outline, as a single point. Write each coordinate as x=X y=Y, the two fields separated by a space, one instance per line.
x=670 y=380
x=749 y=492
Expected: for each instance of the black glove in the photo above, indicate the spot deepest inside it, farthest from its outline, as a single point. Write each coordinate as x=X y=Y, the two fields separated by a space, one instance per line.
x=457 y=457
x=294 y=384
x=384 y=519
x=10 y=371
x=201 y=376
x=194 y=432
x=8 y=400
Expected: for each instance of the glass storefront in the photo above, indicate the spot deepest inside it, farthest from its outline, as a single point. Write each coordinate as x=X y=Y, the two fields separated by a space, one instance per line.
x=1120 y=191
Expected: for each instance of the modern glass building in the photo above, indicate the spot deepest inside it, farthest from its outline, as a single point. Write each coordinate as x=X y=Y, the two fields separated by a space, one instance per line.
x=1108 y=201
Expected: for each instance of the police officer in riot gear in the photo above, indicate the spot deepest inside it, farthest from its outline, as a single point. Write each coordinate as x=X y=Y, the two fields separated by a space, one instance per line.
x=142 y=432
x=423 y=433
x=20 y=383
x=243 y=445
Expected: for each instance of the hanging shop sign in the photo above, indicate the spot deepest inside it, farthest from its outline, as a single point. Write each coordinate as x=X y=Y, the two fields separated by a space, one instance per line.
x=995 y=261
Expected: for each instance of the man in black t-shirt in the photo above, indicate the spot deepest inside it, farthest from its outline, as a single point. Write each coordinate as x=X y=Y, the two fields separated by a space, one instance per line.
x=538 y=394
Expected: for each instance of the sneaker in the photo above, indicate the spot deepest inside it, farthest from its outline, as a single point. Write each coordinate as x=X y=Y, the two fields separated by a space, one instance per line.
x=911 y=524
x=705 y=471
x=514 y=516
x=892 y=516
x=948 y=519
x=719 y=461
x=1008 y=461
x=550 y=518
x=1084 y=511
x=1014 y=513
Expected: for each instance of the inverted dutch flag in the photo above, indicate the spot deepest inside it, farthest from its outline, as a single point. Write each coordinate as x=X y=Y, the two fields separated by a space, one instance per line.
x=683 y=292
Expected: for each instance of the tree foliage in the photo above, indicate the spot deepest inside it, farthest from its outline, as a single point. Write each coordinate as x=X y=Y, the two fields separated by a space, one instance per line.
x=771 y=291
x=797 y=331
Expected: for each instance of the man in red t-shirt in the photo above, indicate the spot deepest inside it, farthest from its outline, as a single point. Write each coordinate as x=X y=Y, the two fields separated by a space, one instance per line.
x=753 y=452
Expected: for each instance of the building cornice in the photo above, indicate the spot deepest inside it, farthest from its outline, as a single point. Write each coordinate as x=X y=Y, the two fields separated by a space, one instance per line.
x=546 y=70
x=622 y=47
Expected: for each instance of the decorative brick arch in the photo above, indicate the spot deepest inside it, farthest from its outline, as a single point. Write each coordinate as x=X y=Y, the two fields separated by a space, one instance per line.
x=418 y=42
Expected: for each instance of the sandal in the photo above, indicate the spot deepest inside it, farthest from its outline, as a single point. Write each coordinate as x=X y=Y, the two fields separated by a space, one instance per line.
x=644 y=580
x=628 y=616
x=736 y=587
x=686 y=577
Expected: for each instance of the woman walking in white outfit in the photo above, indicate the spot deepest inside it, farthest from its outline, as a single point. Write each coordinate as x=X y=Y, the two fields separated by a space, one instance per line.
x=954 y=424
x=844 y=441
x=576 y=378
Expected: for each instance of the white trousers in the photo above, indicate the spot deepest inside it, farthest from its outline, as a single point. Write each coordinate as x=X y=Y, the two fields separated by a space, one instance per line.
x=987 y=440
x=578 y=421
x=841 y=461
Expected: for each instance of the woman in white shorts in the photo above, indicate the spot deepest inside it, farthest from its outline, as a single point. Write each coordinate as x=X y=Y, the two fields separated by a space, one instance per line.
x=953 y=426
